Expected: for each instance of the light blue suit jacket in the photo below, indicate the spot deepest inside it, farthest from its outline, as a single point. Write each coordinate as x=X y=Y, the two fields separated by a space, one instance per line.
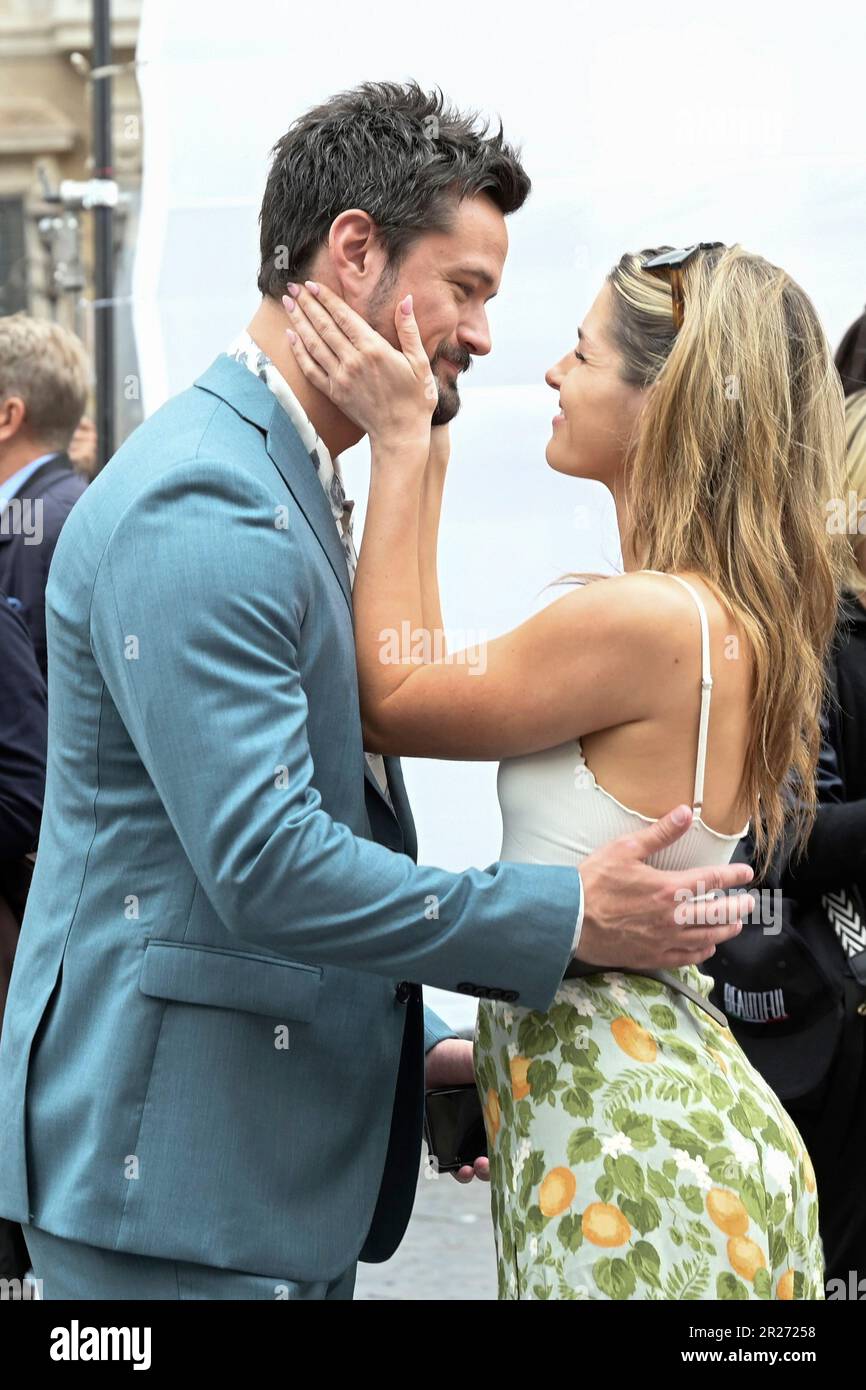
x=209 y=1051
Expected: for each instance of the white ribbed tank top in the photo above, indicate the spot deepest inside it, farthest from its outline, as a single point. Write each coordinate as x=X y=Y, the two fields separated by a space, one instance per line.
x=555 y=812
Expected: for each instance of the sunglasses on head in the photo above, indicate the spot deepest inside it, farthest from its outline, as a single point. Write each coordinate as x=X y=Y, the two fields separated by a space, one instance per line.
x=669 y=265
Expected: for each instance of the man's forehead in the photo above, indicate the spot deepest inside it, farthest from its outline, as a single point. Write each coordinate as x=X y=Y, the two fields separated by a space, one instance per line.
x=476 y=243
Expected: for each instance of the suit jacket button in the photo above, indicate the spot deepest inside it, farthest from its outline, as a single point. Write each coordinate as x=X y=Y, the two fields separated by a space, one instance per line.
x=403 y=992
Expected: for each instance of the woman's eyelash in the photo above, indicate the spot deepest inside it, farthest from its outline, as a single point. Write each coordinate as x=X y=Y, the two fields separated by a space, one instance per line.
x=579 y=355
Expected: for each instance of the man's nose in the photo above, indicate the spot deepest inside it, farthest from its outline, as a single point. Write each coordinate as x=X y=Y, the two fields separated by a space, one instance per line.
x=474 y=335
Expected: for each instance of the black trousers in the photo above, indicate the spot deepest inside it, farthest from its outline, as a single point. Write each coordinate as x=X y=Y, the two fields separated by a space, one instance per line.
x=14 y=1259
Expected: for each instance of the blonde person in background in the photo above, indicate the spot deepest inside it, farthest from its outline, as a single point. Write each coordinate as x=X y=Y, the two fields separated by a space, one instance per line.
x=44 y=381
x=634 y=1151
x=855 y=423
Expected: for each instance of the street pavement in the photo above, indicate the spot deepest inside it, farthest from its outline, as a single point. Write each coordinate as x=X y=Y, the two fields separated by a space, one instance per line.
x=447 y=1251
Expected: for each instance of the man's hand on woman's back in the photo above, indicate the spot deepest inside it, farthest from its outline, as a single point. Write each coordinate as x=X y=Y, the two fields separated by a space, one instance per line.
x=638 y=916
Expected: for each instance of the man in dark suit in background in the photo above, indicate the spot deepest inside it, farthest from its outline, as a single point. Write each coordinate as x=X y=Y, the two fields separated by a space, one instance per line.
x=44 y=376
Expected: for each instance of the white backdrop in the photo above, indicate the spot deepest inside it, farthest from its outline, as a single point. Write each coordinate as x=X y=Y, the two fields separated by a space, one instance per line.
x=740 y=122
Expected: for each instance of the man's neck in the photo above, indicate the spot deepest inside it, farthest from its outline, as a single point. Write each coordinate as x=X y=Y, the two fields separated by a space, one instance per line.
x=267 y=328
x=20 y=455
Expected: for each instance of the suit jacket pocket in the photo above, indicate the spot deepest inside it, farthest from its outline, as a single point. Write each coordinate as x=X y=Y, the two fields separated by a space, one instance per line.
x=192 y=974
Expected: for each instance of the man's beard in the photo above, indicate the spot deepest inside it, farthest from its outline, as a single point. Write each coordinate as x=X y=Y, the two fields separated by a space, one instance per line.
x=448 y=403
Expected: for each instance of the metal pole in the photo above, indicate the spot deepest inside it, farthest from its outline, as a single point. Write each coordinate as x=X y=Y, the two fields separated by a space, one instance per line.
x=103 y=236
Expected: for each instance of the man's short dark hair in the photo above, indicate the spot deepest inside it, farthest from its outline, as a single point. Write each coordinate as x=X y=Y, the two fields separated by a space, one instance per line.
x=403 y=155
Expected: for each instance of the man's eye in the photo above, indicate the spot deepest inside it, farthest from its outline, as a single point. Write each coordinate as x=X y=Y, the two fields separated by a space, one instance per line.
x=466 y=289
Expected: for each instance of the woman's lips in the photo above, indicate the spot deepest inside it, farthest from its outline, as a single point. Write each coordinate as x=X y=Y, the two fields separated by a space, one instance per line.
x=558 y=419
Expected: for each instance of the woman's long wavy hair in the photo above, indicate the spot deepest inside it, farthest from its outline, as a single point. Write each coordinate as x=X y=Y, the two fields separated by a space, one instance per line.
x=738 y=454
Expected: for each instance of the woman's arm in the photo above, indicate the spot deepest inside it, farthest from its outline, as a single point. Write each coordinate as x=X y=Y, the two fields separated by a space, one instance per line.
x=398 y=487
x=428 y=535
x=569 y=670
x=390 y=628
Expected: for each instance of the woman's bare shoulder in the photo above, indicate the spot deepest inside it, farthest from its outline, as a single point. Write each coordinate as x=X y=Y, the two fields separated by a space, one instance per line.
x=647 y=607
x=660 y=622
x=663 y=597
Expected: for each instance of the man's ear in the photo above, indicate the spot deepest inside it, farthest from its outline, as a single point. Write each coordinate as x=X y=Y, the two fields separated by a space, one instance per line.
x=356 y=255
x=13 y=413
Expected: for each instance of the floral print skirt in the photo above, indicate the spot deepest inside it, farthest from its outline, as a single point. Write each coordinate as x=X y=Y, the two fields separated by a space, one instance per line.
x=636 y=1153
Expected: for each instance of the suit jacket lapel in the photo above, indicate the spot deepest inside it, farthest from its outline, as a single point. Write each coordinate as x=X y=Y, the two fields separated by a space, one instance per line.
x=238 y=387
x=299 y=474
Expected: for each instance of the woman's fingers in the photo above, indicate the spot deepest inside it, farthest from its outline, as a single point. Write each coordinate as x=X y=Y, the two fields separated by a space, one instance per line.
x=407 y=331
x=340 y=329
x=413 y=348
x=338 y=324
x=311 y=336
x=377 y=385
x=311 y=369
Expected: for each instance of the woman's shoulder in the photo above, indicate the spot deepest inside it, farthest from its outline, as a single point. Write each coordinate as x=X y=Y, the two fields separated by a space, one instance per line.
x=654 y=605
x=673 y=594
x=651 y=621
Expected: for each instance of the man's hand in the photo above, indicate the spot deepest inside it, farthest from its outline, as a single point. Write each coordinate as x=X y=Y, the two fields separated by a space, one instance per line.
x=639 y=916
x=449 y=1063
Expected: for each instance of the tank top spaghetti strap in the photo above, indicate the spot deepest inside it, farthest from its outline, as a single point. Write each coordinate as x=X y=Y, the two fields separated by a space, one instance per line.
x=706 y=689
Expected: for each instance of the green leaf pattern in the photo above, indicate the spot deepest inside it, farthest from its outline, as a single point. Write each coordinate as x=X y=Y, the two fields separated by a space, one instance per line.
x=636 y=1153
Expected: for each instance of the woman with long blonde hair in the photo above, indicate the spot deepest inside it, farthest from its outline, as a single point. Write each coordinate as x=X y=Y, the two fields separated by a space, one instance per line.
x=634 y=1151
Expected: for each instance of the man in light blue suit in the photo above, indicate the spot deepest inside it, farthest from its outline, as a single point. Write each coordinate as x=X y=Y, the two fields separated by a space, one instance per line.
x=212 y=1063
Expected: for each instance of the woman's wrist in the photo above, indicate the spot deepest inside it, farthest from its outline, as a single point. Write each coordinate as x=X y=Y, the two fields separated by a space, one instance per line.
x=404 y=452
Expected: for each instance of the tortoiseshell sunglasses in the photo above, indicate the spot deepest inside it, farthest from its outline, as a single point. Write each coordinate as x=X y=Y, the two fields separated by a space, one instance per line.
x=670 y=265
